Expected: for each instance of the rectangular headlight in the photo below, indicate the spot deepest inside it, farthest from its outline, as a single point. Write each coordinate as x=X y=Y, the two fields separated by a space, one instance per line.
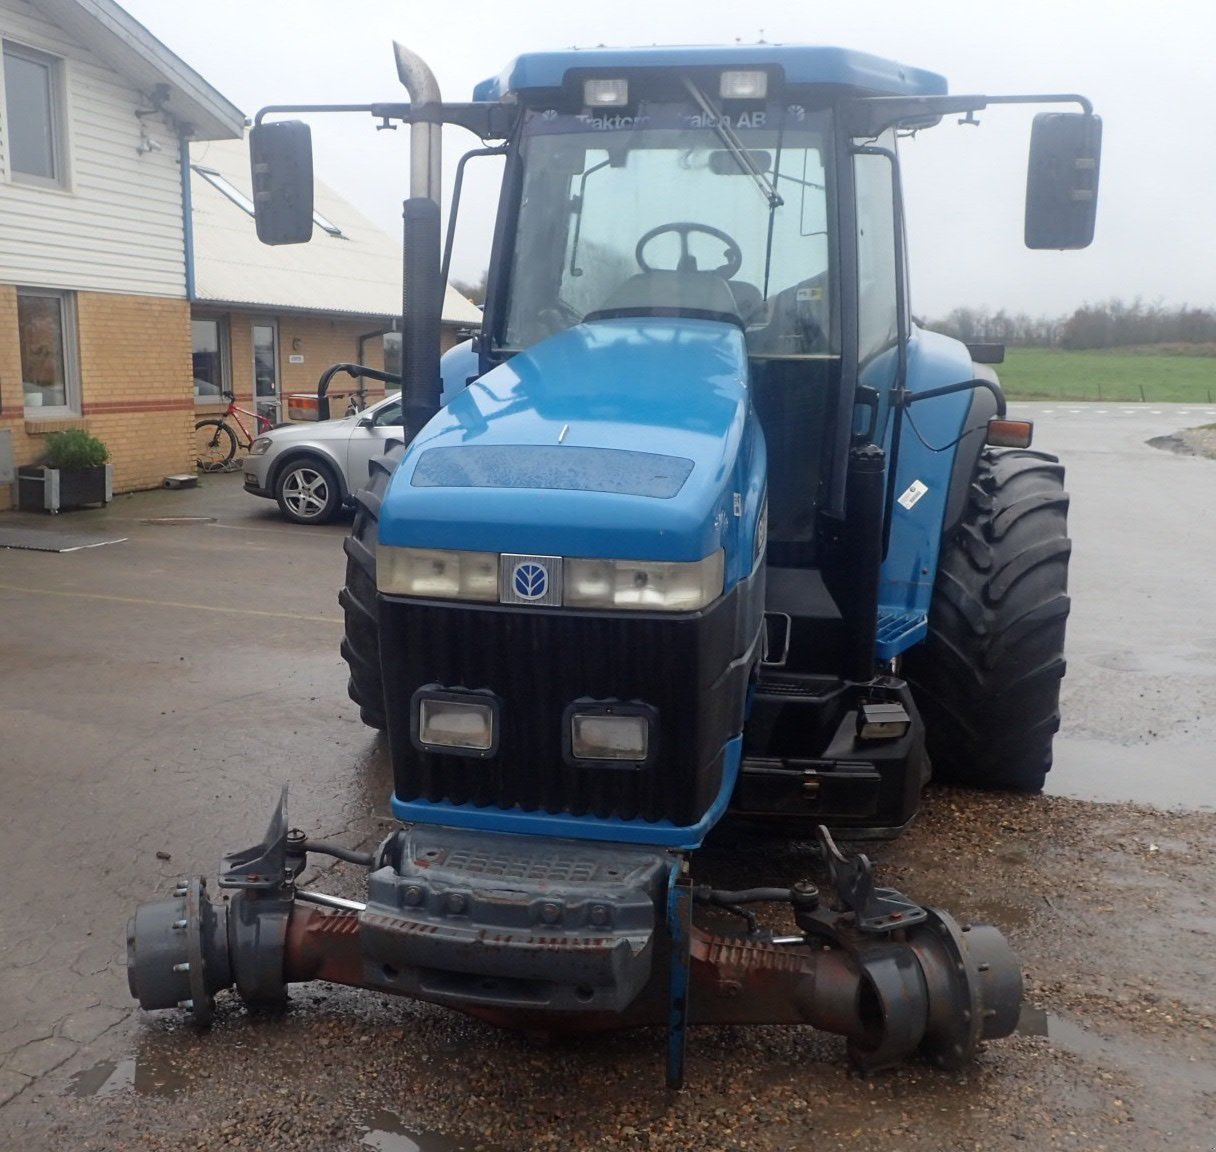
x=445 y=721
x=608 y=737
x=644 y=585
x=441 y=573
x=615 y=734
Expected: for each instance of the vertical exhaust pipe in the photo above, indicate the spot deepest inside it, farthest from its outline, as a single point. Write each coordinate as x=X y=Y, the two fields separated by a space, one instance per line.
x=422 y=287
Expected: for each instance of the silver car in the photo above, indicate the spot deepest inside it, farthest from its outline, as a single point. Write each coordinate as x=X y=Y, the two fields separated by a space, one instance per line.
x=314 y=469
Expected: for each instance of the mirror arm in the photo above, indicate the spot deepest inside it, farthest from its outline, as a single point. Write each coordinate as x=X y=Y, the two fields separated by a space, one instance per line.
x=486 y=120
x=873 y=115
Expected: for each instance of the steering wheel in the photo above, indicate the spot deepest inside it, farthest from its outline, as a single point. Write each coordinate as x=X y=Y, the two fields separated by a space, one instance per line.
x=688 y=262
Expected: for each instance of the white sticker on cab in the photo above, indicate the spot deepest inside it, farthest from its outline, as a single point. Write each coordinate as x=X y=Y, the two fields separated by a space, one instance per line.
x=912 y=494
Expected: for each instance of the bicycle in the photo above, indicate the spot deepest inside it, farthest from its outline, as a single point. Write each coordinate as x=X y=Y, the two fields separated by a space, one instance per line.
x=216 y=441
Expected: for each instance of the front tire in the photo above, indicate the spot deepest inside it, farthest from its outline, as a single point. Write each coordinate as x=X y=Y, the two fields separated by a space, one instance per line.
x=987 y=678
x=214 y=445
x=361 y=639
x=308 y=492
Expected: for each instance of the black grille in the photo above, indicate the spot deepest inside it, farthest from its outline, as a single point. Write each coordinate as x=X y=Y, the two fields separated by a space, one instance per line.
x=537 y=662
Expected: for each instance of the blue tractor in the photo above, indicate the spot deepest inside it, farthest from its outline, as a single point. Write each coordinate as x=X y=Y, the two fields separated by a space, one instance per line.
x=701 y=536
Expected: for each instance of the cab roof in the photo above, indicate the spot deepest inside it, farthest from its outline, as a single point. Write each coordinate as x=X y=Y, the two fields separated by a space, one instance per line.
x=799 y=64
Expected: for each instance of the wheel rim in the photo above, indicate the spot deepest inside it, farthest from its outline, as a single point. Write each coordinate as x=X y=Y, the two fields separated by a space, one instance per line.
x=306 y=492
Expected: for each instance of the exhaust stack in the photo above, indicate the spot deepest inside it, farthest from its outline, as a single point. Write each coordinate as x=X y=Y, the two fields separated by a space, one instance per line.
x=422 y=288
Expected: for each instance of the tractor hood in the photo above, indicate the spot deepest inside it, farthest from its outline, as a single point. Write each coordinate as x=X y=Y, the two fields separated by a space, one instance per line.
x=625 y=439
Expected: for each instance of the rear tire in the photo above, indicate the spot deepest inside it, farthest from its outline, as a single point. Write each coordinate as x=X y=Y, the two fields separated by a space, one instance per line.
x=987 y=678
x=215 y=445
x=361 y=640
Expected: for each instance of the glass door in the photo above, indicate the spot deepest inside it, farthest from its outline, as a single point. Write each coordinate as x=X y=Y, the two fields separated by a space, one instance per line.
x=266 y=370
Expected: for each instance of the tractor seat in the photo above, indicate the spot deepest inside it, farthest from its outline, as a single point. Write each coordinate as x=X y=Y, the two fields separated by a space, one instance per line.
x=749 y=303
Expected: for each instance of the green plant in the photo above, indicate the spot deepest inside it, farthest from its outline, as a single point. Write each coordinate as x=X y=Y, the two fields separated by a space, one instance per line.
x=74 y=448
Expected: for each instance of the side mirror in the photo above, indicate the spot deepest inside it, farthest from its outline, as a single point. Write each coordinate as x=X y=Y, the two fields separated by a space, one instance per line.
x=280 y=158
x=1062 y=180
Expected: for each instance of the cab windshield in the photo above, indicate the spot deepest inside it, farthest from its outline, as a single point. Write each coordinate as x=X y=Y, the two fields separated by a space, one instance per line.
x=675 y=209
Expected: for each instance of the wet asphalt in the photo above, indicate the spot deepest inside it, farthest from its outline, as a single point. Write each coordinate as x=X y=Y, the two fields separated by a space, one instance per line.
x=161 y=684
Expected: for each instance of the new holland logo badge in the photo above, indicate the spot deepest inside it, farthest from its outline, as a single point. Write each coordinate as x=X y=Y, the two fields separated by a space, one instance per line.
x=530 y=580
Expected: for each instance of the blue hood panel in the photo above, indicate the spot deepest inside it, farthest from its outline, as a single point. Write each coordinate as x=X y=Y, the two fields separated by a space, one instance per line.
x=624 y=439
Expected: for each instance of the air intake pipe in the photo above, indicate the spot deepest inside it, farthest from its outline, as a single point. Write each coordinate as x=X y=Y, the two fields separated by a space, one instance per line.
x=422 y=290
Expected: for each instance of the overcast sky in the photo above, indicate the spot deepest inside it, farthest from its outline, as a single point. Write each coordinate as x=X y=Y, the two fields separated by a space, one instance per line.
x=1148 y=68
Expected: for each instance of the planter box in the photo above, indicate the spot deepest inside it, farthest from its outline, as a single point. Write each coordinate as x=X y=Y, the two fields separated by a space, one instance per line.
x=42 y=489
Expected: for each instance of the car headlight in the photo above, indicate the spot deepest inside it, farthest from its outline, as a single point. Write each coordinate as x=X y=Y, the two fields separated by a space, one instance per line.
x=260 y=446
x=437 y=572
x=644 y=585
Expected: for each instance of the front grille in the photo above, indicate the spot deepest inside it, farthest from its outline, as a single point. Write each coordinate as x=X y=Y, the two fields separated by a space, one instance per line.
x=537 y=662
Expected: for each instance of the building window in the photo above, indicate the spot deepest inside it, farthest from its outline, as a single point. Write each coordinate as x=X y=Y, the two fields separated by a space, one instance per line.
x=326 y=224
x=46 y=322
x=222 y=184
x=210 y=380
x=33 y=116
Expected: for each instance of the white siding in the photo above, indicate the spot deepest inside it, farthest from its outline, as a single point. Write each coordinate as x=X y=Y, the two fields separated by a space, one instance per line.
x=118 y=225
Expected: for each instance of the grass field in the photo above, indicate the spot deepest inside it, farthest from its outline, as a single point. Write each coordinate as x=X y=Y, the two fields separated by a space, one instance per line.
x=1132 y=374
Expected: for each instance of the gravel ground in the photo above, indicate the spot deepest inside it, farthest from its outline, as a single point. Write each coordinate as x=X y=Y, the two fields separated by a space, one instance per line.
x=1107 y=906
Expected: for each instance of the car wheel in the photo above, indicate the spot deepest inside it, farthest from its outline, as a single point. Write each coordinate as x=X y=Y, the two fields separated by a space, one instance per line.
x=308 y=492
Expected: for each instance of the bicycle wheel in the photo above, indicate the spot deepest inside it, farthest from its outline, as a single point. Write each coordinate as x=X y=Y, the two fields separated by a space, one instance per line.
x=214 y=445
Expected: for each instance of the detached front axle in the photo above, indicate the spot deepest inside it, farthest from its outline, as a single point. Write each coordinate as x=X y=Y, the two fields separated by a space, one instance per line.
x=573 y=937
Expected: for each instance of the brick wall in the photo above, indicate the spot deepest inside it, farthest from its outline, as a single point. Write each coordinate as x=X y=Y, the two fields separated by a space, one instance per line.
x=135 y=384
x=136 y=378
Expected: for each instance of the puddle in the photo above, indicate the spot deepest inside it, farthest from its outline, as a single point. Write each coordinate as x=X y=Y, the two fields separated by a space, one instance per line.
x=1137 y=1060
x=1161 y=775
x=1062 y=1033
x=111 y=1077
x=387 y=1132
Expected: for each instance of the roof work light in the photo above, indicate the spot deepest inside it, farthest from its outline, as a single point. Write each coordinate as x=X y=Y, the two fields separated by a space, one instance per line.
x=743 y=85
x=605 y=93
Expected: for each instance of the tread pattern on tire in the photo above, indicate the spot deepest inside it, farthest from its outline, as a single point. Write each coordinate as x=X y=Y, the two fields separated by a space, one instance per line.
x=987 y=678
x=361 y=638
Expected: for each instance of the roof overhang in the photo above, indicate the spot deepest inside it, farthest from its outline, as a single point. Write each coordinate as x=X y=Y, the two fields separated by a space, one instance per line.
x=390 y=323
x=197 y=109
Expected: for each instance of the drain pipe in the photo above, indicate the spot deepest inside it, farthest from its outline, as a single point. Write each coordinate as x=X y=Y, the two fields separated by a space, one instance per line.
x=422 y=291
